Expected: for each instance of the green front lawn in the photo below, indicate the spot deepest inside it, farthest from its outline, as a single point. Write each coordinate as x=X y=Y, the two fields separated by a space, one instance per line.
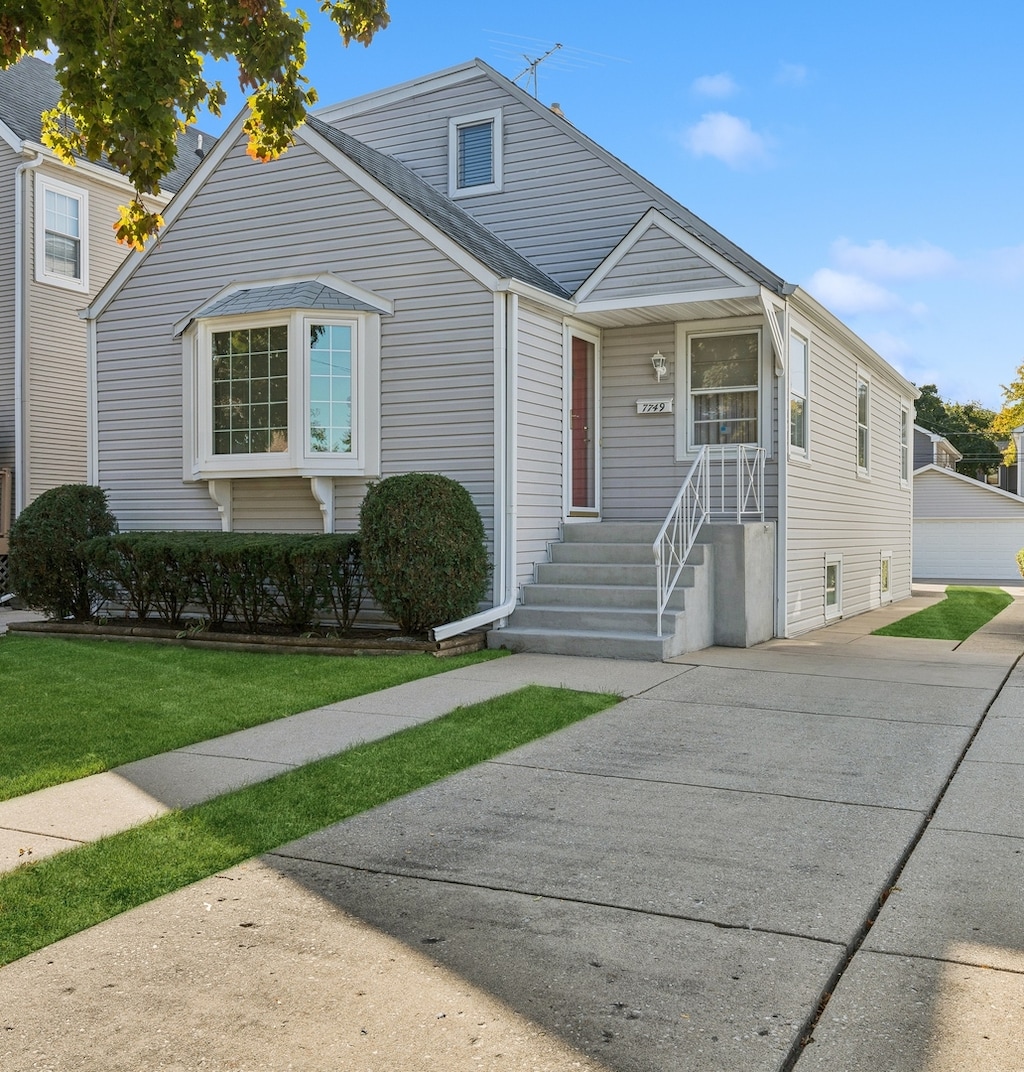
x=43 y=902
x=963 y=611
x=75 y=707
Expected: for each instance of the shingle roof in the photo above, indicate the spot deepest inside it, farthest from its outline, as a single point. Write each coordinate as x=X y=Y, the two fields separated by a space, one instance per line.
x=29 y=88
x=457 y=224
x=302 y=295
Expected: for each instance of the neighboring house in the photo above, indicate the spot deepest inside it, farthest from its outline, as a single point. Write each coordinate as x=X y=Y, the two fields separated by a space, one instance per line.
x=963 y=530
x=446 y=276
x=932 y=449
x=57 y=249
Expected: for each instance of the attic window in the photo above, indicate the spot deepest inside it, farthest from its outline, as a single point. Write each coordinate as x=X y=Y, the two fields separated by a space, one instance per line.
x=474 y=154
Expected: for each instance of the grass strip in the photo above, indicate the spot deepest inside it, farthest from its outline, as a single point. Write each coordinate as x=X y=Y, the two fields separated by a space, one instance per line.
x=964 y=610
x=73 y=707
x=42 y=902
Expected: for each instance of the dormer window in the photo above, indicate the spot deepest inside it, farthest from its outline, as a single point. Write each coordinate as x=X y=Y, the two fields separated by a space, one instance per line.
x=474 y=154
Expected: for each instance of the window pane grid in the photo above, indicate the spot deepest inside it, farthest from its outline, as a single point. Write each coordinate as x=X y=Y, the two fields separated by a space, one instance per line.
x=330 y=389
x=250 y=390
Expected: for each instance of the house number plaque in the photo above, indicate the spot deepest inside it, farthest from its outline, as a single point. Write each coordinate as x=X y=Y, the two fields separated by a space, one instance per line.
x=654 y=405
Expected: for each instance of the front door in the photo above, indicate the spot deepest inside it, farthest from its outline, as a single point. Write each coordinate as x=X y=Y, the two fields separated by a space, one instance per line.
x=583 y=428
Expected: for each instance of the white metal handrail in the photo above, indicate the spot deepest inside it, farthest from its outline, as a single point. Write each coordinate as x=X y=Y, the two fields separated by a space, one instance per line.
x=676 y=538
x=739 y=476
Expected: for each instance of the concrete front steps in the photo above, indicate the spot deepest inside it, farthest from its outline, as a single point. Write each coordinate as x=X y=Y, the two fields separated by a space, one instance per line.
x=598 y=596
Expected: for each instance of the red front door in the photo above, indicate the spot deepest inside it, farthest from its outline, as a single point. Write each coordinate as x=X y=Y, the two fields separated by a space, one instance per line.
x=582 y=421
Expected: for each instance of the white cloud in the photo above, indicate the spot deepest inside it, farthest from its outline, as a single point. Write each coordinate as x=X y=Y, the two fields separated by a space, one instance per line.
x=1004 y=266
x=843 y=292
x=791 y=74
x=879 y=260
x=727 y=138
x=715 y=85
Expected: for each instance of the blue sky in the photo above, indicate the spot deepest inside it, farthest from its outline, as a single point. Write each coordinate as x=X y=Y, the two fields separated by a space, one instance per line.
x=872 y=153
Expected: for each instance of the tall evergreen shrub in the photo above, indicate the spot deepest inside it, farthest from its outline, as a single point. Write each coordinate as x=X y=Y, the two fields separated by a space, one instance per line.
x=424 y=558
x=48 y=570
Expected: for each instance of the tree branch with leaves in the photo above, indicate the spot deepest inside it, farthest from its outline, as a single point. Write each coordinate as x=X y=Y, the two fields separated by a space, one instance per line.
x=131 y=77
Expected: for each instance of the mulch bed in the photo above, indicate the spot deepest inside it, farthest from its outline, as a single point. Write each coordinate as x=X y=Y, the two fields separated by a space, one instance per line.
x=358 y=642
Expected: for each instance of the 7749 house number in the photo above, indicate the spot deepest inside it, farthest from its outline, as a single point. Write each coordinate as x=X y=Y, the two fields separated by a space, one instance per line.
x=654 y=405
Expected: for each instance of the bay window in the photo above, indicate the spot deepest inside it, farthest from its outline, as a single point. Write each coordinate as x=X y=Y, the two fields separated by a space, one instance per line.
x=291 y=393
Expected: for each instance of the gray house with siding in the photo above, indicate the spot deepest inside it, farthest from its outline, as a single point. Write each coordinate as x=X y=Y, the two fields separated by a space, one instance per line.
x=57 y=249
x=670 y=446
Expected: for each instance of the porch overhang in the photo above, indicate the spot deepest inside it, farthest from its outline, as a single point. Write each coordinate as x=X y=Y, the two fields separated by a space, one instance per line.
x=672 y=308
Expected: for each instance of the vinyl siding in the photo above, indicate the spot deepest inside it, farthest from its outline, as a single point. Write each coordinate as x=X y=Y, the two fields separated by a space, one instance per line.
x=55 y=383
x=540 y=444
x=943 y=495
x=560 y=205
x=298 y=214
x=658 y=264
x=282 y=504
x=8 y=166
x=640 y=474
x=832 y=510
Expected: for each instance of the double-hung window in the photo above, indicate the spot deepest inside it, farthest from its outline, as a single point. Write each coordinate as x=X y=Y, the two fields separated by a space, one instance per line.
x=799 y=351
x=61 y=217
x=474 y=154
x=863 y=425
x=904 y=445
x=292 y=393
x=723 y=384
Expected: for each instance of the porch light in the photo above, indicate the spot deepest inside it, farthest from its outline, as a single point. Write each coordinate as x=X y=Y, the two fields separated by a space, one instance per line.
x=660 y=365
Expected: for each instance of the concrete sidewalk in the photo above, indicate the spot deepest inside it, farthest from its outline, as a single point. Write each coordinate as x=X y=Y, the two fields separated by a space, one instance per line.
x=676 y=883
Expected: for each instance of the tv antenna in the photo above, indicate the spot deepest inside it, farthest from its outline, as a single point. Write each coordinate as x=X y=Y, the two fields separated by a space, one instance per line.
x=530 y=70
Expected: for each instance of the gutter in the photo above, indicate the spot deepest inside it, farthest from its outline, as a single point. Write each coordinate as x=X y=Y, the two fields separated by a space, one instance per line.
x=20 y=317
x=506 y=412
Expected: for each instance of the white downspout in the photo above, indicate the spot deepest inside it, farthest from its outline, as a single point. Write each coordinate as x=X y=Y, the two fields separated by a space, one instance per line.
x=20 y=343
x=506 y=412
x=781 y=527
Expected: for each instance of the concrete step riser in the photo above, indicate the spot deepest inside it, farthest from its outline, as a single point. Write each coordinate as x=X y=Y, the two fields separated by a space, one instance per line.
x=639 y=554
x=572 y=619
x=612 y=532
x=596 y=595
x=610 y=646
x=603 y=573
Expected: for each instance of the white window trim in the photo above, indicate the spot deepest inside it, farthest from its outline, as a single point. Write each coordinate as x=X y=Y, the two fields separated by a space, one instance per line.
x=906 y=434
x=454 y=125
x=686 y=450
x=835 y=612
x=363 y=460
x=863 y=471
x=45 y=183
x=884 y=594
x=804 y=335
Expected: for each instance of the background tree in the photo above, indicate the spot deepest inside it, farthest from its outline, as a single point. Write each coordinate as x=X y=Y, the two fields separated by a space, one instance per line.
x=967 y=425
x=1011 y=415
x=131 y=76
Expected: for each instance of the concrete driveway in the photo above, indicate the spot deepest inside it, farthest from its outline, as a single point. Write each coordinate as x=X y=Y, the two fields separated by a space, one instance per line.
x=807 y=855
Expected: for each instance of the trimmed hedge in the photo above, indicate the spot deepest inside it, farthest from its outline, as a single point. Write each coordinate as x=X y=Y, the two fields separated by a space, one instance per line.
x=47 y=569
x=255 y=579
x=423 y=550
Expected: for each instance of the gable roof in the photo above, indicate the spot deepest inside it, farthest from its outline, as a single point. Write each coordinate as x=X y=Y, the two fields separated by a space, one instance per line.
x=462 y=73
x=29 y=88
x=307 y=294
x=439 y=210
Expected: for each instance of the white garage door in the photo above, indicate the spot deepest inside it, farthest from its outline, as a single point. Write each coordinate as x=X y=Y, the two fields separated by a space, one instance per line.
x=985 y=548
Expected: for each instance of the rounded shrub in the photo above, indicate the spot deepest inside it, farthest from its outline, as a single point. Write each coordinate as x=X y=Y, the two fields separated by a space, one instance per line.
x=46 y=568
x=423 y=551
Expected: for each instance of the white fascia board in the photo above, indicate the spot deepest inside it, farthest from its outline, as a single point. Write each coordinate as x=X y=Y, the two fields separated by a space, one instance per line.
x=451 y=76
x=177 y=204
x=535 y=294
x=10 y=138
x=655 y=218
x=270 y=279
x=409 y=216
x=814 y=311
x=105 y=175
x=653 y=301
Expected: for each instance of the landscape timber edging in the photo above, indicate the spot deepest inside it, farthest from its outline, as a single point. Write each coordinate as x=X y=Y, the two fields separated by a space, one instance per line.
x=307 y=645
